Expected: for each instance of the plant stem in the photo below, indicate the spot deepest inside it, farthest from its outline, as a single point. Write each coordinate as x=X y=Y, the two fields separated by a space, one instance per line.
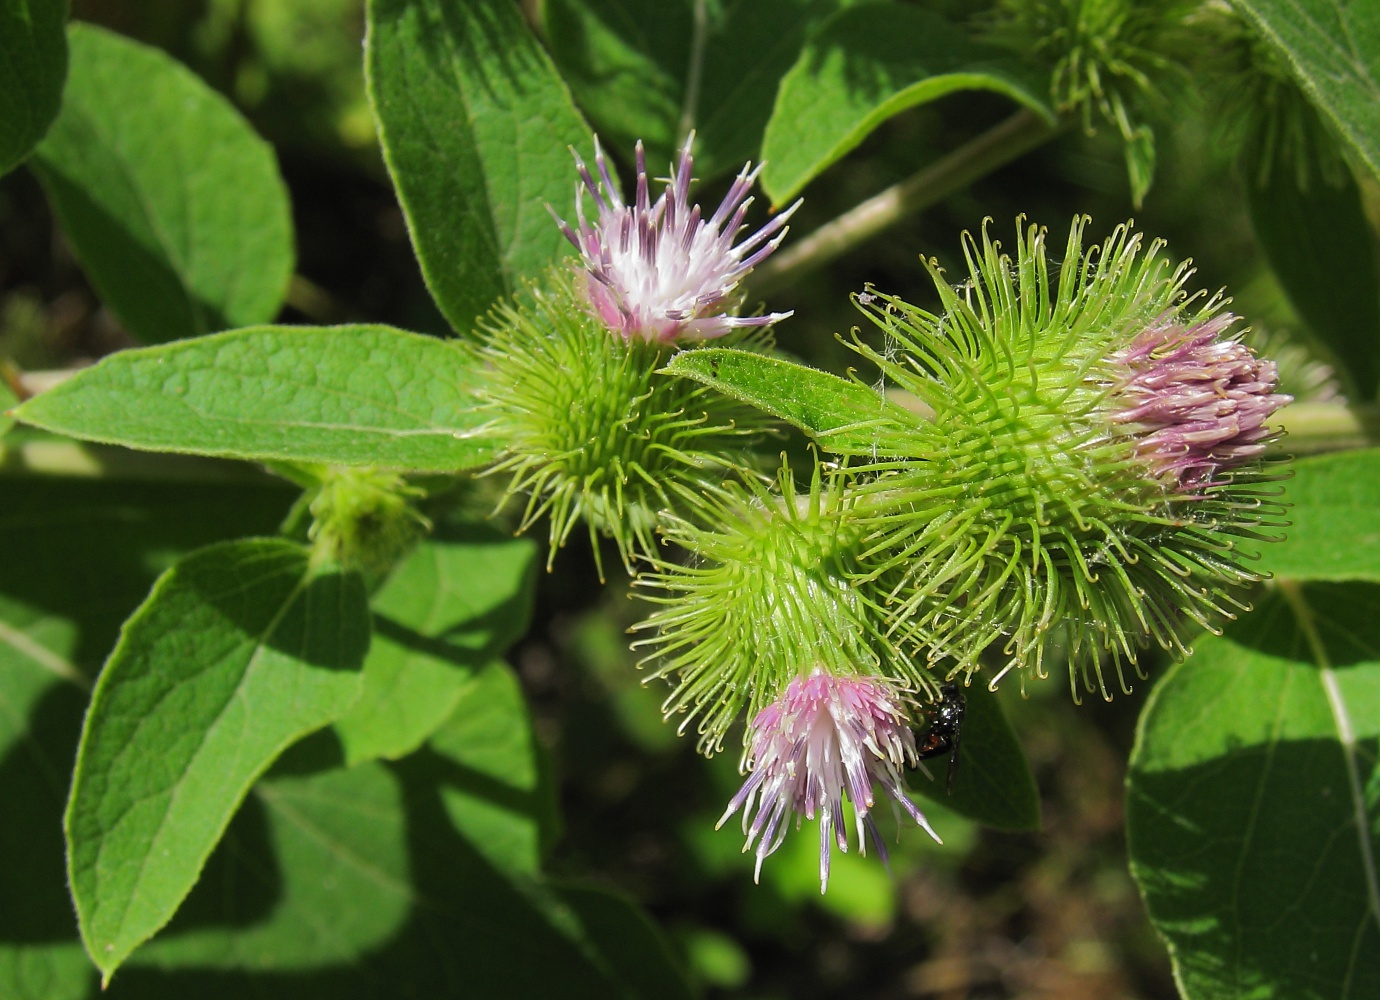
x=995 y=148
x=85 y=461
x=1317 y=427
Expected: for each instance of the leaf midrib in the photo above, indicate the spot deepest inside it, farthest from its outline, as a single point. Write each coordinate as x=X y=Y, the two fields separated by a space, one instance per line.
x=1346 y=736
x=260 y=643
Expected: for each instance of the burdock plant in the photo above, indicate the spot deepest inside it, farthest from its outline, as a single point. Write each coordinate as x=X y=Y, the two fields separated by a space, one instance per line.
x=592 y=431
x=1091 y=467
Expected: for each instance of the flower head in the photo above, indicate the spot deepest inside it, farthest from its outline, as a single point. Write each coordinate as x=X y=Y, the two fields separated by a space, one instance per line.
x=1196 y=399
x=825 y=737
x=592 y=432
x=657 y=270
x=1089 y=467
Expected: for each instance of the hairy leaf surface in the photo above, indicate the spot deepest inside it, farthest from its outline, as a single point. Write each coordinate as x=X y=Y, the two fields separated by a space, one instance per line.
x=172 y=203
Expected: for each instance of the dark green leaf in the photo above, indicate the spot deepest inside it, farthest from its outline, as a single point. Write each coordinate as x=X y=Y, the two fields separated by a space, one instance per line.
x=40 y=716
x=993 y=783
x=497 y=796
x=347 y=395
x=861 y=67
x=173 y=205
x=79 y=558
x=1335 y=529
x=313 y=872
x=355 y=883
x=1321 y=249
x=475 y=125
x=240 y=649
x=630 y=64
x=844 y=417
x=1253 y=802
x=33 y=66
x=456 y=603
x=1333 y=49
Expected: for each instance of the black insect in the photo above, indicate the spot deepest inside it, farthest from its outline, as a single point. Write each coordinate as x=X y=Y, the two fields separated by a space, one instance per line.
x=943 y=731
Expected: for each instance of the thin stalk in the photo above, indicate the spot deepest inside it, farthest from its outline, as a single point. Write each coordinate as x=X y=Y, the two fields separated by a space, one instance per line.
x=995 y=148
x=694 y=71
x=86 y=461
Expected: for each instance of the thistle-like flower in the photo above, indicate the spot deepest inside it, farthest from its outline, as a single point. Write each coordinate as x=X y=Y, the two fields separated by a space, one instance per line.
x=1091 y=465
x=592 y=431
x=773 y=585
x=1195 y=401
x=656 y=270
x=824 y=738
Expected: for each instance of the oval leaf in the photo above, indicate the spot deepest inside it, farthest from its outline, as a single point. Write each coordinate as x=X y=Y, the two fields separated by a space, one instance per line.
x=843 y=417
x=861 y=67
x=352 y=882
x=1253 y=802
x=1322 y=251
x=172 y=203
x=347 y=395
x=1333 y=49
x=475 y=125
x=452 y=606
x=80 y=556
x=33 y=66
x=240 y=650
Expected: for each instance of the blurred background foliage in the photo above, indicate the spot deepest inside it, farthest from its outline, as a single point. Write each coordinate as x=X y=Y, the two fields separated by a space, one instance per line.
x=989 y=914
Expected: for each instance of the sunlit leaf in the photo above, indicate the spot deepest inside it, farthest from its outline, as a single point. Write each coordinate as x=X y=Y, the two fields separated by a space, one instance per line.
x=1253 y=801
x=345 y=395
x=172 y=203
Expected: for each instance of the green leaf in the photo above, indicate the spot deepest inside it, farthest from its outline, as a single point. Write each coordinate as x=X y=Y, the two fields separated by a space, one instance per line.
x=475 y=125
x=355 y=883
x=346 y=395
x=7 y=400
x=1322 y=251
x=241 y=649
x=1253 y=802
x=630 y=65
x=78 y=559
x=1333 y=50
x=33 y=66
x=331 y=881
x=172 y=203
x=1335 y=520
x=452 y=606
x=497 y=797
x=993 y=783
x=859 y=68
x=40 y=716
x=843 y=416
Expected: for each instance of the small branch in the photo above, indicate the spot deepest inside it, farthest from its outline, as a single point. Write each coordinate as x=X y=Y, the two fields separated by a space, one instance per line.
x=1312 y=428
x=315 y=303
x=694 y=72
x=86 y=461
x=995 y=148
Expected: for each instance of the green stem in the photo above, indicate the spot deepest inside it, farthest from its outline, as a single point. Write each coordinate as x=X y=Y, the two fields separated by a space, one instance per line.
x=995 y=148
x=1317 y=427
x=85 y=461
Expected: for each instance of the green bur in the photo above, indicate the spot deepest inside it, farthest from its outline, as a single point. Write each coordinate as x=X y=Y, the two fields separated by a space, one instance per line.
x=1027 y=507
x=771 y=594
x=593 y=430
